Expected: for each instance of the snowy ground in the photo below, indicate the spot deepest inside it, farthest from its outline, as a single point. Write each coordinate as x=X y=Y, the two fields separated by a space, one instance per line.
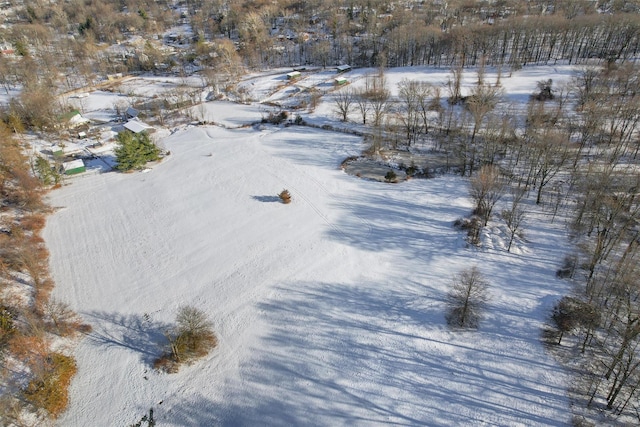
x=329 y=310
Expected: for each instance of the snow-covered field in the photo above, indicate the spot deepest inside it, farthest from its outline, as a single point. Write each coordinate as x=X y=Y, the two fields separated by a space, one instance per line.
x=329 y=311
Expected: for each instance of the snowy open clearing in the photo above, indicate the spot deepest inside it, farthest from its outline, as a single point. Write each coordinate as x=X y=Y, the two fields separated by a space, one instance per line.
x=329 y=311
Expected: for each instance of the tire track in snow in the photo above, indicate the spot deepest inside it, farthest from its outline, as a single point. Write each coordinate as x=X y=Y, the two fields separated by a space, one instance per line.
x=336 y=200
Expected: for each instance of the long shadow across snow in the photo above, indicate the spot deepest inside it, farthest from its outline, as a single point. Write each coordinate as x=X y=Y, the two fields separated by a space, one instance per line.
x=386 y=217
x=339 y=354
x=137 y=333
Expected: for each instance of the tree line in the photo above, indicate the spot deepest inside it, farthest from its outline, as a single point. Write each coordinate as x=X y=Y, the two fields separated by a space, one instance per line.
x=575 y=154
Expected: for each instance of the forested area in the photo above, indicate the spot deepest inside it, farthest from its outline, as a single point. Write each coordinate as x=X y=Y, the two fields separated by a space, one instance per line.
x=29 y=316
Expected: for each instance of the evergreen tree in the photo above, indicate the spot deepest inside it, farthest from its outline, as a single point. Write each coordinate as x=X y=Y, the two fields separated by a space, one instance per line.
x=135 y=150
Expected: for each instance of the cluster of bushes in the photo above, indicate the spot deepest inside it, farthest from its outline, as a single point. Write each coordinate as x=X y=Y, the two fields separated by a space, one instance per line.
x=472 y=225
x=276 y=118
x=49 y=388
x=191 y=338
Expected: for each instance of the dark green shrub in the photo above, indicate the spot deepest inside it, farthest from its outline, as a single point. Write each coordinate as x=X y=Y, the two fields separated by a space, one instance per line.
x=391 y=177
x=135 y=150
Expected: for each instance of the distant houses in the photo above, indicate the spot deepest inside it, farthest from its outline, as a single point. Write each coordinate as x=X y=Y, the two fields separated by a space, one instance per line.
x=339 y=81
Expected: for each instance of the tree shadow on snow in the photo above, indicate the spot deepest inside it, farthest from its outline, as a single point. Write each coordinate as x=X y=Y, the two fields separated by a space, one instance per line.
x=340 y=354
x=266 y=199
x=383 y=220
x=138 y=333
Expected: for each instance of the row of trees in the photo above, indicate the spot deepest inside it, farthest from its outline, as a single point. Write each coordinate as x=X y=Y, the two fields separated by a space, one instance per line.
x=320 y=33
x=578 y=154
x=408 y=41
x=36 y=376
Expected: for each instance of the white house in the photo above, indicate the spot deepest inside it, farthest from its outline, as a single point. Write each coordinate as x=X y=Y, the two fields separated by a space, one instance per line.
x=76 y=120
x=136 y=126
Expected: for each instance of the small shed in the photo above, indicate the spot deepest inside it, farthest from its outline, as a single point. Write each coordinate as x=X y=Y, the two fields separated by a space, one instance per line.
x=68 y=149
x=56 y=150
x=343 y=68
x=293 y=75
x=339 y=81
x=73 y=167
x=131 y=113
x=74 y=119
x=136 y=126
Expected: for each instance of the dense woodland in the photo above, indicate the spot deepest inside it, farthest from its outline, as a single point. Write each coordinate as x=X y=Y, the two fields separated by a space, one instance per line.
x=575 y=151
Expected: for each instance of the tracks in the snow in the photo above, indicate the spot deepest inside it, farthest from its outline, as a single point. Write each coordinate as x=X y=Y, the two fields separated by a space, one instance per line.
x=281 y=164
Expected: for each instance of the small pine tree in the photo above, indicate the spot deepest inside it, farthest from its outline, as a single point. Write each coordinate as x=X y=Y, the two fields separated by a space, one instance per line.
x=285 y=196
x=48 y=175
x=147 y=418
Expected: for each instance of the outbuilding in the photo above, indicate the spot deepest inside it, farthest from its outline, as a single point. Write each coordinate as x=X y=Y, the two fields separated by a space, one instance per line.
x=339 y=81
x=136 y=126
x=73 y=119
x=293 y=75
x=131 y=113
x=343 y=68
x=73 y=167
x=68 y=149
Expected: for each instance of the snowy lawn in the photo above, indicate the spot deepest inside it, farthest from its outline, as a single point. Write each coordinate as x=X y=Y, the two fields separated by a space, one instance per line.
x=329 y=311
x=229 y=114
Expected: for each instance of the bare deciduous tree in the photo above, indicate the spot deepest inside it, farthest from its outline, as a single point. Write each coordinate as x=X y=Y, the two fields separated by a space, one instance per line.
x=378 y=95
x=59 y=313
x=409 y=113
x=467 y=298
x=481 y=101
x=514 y=216
x=344 y=102
x=190 y=338
x=487 y=187
x=362 y=104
